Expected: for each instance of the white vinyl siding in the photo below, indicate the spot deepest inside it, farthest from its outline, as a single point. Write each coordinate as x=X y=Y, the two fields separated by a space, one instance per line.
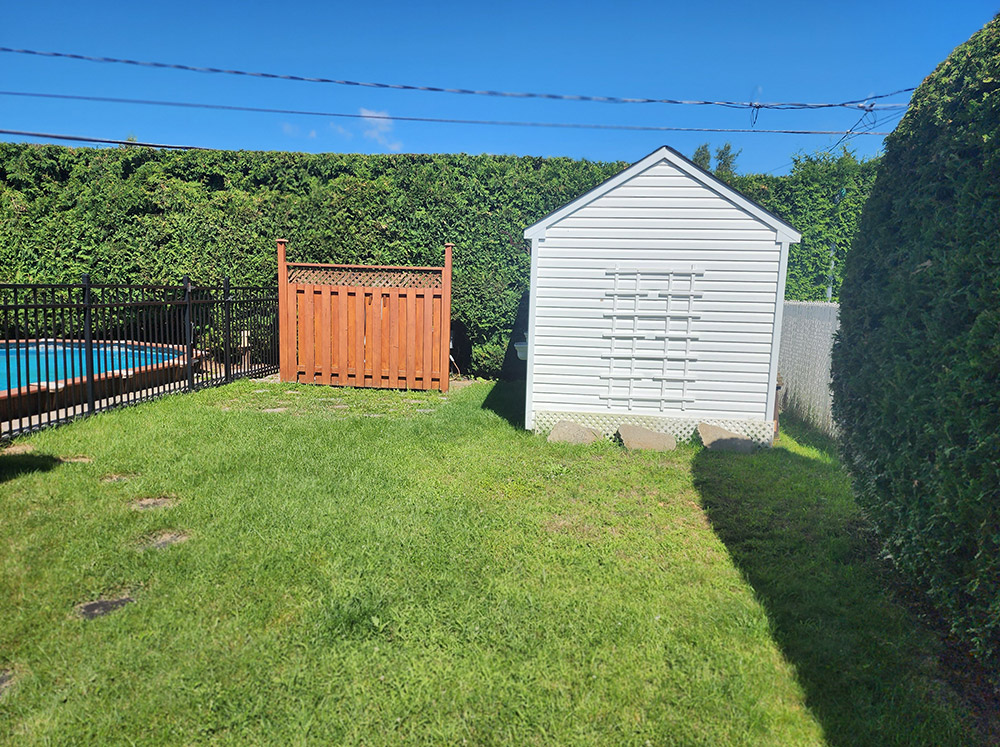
x=660 y=219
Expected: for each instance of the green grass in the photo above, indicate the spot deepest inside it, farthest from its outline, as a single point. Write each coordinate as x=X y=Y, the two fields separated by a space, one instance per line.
x=441 y=577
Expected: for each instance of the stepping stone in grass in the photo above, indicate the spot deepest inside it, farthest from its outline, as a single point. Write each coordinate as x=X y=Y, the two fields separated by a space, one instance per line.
x=116 y=477
x=292 y=391
x=261 y=391
x=374 y=415
x=425 y=409
x=79 y=459
x=16 y=449
x=274 y=409
x=165 y=539
x=6 y=680
x=101 y=607
x=145 y=504
x=225 y=409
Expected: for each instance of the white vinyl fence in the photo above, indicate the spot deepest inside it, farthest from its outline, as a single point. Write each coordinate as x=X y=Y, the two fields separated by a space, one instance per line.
x=807 y=331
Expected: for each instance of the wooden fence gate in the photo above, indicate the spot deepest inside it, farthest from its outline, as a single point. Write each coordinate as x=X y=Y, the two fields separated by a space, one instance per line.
x=364 y=326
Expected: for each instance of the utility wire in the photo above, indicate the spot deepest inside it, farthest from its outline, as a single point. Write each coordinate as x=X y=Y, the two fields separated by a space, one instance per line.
x=847 y=137
x=436 y=120
x=863 y=104
x=106 y=141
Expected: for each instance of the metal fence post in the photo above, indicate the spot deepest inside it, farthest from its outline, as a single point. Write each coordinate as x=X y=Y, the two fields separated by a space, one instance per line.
x=227 y=305
x=188 y=332
x=88 y=341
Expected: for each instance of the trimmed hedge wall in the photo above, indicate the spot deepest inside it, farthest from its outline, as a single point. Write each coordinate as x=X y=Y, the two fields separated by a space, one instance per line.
x=137 y=215
x=916 y=368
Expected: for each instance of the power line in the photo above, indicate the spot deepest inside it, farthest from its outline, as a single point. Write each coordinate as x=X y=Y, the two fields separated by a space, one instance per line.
x=848 y=135
x=863 y=104
x=106 y=141
x=435 y=120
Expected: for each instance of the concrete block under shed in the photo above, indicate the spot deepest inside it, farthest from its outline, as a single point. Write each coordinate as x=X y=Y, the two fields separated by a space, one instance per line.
x=636 y=437
x=568 y=432
x=719 y=439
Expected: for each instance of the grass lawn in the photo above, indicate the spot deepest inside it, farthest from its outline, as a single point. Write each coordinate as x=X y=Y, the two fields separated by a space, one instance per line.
x=383 y=567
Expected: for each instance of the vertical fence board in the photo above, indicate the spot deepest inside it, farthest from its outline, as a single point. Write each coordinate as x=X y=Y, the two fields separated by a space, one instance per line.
x=375 y=312
x=307 y=337
x=411 y=339
x=343 y=347
x=436 y=338
x=428 y=333
x=325 y=366
x=394 y=338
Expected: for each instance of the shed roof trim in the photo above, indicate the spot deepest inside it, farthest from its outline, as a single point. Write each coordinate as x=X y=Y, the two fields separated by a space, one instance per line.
x=666 y=153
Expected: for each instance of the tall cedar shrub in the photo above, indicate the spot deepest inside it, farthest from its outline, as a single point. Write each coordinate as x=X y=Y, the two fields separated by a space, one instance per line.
x=133 y=214
x=916 y=366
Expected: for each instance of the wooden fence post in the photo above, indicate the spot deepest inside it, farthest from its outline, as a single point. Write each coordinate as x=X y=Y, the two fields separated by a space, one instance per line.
x=446 y=318
x=286 y=336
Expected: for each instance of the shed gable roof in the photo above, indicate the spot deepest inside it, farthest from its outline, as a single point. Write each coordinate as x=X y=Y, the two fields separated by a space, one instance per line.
x=684 y=164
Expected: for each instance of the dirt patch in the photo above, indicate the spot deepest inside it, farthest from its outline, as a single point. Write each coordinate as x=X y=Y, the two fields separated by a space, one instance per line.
x=116 y=477
x=78 y=459
x=6 y=680
x=274 y=409
x=15 y=449
x=572 y=525
x=101 y=607
x=145 y=504
x=165 y=539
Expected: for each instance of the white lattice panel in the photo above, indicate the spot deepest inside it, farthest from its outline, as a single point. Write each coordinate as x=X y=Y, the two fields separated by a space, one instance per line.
x=761 y=431
x=374 y=277
x=641 y=354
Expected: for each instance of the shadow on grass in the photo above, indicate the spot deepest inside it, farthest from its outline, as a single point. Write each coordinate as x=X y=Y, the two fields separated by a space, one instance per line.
x=14 y=465
x=870 y=672
x=506 y=399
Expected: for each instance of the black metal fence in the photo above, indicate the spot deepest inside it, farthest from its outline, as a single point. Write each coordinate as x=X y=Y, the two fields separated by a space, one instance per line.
x=68 y=350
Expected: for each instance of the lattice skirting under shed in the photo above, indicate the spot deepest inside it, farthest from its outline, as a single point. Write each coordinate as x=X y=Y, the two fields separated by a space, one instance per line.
x=607 y=423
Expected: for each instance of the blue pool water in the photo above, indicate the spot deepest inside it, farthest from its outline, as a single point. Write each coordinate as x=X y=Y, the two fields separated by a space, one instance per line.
x=33 y=362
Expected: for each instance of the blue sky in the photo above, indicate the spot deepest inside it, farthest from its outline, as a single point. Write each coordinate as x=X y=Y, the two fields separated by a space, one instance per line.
x=787 y=51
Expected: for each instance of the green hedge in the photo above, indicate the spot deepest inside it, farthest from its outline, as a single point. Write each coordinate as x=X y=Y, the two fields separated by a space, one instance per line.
x=137 y=215
x=822 y=198
x=916 y=368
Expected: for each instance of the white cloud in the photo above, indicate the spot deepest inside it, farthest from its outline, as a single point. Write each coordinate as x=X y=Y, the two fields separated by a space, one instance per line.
x=341 y=130
x=379 y=129
x=289 y=129
x=312 y=133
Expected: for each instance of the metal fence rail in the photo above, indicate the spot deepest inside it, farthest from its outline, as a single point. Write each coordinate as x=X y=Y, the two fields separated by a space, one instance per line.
x=68 y=350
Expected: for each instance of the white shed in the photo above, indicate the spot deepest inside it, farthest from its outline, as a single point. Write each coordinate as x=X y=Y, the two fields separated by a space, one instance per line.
x=656 y=300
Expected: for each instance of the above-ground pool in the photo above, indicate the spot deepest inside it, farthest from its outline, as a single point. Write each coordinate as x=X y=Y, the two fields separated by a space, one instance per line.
x=46 y=361
x=38 y=376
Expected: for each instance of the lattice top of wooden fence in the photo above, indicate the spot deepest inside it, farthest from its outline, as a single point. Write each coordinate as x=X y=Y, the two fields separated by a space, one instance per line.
x=368 y=277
